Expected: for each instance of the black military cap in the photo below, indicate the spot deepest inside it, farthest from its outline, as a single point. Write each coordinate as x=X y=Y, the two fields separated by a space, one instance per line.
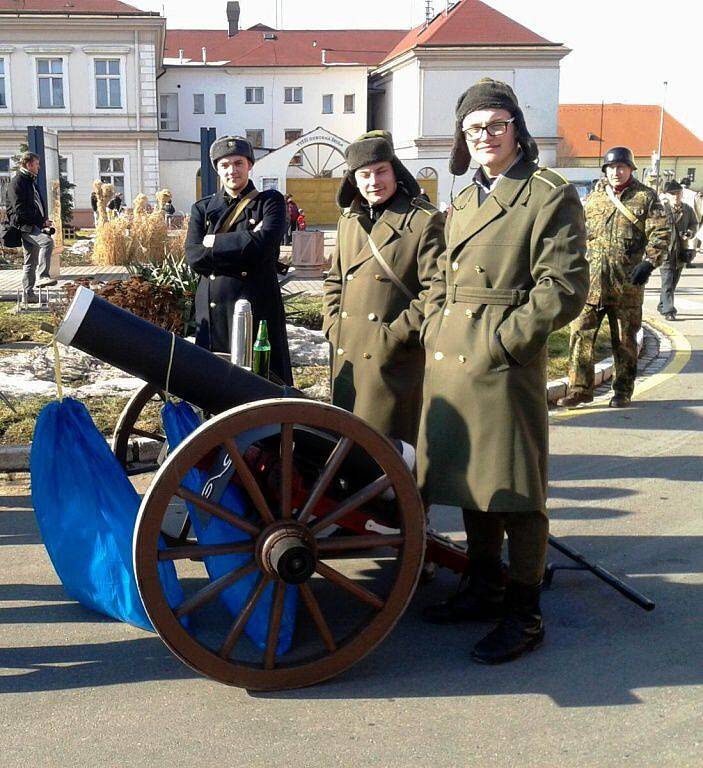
x=231 y=145
x=672 y=187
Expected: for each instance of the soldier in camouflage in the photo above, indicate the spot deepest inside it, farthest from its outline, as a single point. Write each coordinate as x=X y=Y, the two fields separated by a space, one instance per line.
x=628 y=237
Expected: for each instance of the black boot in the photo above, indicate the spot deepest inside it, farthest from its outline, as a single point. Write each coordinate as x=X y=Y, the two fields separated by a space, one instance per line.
x=479 y=597
x=520 y=630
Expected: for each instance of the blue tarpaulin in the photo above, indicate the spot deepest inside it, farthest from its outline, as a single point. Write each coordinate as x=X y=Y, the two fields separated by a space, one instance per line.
x=86 y=509
x=179 y=421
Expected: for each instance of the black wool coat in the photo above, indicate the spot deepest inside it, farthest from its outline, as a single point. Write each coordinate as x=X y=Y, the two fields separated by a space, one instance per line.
x=22 y=208
x=240 y=265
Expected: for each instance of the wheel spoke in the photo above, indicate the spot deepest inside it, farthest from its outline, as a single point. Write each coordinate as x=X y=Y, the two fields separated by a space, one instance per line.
x=286 y=470
x=217 y=510
x=366 y=494
x=339 y=453
x=274 y=625
x=213 y=589
x=196 y=551
x=145 y=433
x=249 y=482
x=316 y=613
x=349 y=586
x=338 y=544
x=238 y=626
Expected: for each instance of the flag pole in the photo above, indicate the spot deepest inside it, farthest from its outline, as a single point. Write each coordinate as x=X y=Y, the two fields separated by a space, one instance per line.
x=661 y=137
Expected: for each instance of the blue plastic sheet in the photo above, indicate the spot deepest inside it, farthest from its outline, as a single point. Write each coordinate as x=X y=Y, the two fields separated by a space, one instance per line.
x=86 y=509
x=179 y=421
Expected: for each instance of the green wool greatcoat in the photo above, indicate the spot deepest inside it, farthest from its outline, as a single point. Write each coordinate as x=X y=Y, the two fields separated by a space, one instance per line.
x=377 y=359
x=513 y=272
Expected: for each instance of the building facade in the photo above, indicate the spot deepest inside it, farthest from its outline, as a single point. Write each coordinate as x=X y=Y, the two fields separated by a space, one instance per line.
x=88 y=71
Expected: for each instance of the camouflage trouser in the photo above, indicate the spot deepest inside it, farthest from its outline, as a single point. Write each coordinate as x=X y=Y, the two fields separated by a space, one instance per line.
x=625 y=322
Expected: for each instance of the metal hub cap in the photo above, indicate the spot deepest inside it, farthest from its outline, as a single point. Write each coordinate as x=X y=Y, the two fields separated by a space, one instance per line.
x=286 y=551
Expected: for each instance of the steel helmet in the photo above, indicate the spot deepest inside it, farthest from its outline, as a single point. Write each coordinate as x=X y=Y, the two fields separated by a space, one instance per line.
x=619 y=155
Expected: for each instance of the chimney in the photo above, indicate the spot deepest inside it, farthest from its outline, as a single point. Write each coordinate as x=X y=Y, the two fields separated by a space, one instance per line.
x=232 y=19
x=204 y=50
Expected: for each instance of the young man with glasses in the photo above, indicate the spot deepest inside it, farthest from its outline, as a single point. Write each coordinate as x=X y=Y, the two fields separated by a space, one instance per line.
x=513 y=272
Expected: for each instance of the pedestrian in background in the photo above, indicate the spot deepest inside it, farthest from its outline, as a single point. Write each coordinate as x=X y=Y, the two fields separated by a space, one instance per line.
x=293 y=214
x=628 y=237
x=300 y=221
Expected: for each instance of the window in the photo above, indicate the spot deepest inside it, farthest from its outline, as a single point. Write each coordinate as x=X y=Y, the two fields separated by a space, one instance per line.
x=220 y=103
x=255 y=136
x=168 y=112
x=291 y=135
x=111 y=171
x=293 y=95
x=327 y=104
x=107 y=84
x=349 y=105
x=691 y=173
x=198 y=103
x=254 y=95
x=269 y=182
x=5 y=175
x=50 y=83
x=3 y=92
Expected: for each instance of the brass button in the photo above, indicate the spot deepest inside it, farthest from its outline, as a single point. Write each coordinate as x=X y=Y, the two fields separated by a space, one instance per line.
x=212 y=304
x=462 y=358
x=244 y=274
x=438 y=356
x=345 y=315
x=455 y=265
x=213 y=277
x=469 y=313
x=446 y=312
x=479 y=268
x=372 y=316
x=377 y=277
x=340 y=351
x=350 y=277
x=366 y=356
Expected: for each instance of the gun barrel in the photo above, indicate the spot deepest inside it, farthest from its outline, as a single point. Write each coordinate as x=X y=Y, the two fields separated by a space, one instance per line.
x=163 y=359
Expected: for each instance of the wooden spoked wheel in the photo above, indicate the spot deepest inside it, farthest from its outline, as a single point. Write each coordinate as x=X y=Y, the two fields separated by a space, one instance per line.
x=126 y=427
x=346 y=529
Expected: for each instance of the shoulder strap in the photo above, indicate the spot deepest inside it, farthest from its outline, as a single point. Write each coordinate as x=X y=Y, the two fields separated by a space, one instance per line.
x=624 y=210
x=397 y=282
x=550 y=177
x=241 y=205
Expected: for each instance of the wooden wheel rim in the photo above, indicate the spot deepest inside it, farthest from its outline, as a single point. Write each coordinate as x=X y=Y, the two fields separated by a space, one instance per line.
x=208 y=437
x=124 y=428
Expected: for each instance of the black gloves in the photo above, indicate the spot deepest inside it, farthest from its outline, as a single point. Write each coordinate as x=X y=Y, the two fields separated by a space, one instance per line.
x=640 y=274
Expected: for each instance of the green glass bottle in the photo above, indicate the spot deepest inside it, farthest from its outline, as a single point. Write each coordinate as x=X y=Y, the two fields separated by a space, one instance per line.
x=262 y=351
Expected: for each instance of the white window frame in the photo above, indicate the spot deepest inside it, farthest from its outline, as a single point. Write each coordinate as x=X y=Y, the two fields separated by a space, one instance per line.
x=202 y=111
x=331 y=97
x=351 y=96
x=293 y=91
x=223 y=111
x=258 y=130
x=64 y=77
x=5 y=56
x=254 y=89
x=297 y=159
x=69 y=166
x=269 y=182
x=7 y=176
x=127 y=198
x=123 y=83
x=169 y=130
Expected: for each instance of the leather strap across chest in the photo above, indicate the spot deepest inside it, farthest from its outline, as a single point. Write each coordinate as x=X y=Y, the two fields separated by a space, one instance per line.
x=624 y=210
x=235 y=214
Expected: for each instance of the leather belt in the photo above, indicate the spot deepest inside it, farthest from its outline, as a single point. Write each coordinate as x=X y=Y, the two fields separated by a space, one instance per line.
x=507 y=297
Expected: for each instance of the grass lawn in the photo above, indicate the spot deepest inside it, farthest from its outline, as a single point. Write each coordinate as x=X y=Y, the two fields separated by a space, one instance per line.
x=22 y=327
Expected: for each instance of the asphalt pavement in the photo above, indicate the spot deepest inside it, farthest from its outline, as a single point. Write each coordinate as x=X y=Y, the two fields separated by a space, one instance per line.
x=613 y=685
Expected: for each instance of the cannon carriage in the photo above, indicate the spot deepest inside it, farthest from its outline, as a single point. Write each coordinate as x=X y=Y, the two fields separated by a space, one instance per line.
x=325 y=531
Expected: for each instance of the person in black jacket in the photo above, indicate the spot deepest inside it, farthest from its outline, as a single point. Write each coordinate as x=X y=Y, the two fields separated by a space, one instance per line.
x=233 y=243
x=25 y=210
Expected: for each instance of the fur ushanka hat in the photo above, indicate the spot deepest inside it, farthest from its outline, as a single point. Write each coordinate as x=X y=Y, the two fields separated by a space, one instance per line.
x=488 y=94
x=373 y=147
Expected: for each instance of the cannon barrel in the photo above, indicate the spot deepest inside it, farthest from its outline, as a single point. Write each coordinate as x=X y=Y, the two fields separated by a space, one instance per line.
x=160 y=358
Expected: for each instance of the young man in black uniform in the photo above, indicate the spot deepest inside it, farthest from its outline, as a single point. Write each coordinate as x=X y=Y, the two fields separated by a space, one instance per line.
x=233 y=243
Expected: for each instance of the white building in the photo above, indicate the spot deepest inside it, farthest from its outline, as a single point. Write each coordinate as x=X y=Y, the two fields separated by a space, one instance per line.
x=86 y=69
x=276 y=85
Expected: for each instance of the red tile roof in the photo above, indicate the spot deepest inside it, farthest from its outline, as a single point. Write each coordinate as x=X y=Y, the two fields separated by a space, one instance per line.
x=72 y=7
x=291 y=48
x=468 y=23
x=630 y=125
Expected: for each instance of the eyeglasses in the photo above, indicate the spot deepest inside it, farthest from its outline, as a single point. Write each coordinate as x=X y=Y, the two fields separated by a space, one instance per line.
x=500 y=127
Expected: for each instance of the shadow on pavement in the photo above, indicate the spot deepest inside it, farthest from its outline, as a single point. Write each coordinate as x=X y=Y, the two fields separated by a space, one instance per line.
x=18 y=526
x=686 y=469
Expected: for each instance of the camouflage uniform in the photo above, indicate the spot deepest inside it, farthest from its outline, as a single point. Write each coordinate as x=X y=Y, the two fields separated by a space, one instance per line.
x=615 y=248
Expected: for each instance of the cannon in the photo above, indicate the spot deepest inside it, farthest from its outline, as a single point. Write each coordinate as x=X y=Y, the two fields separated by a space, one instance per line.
x=331 y=512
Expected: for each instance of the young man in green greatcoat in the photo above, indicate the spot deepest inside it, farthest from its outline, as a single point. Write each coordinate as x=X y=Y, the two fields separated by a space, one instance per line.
x=388 y=242
x=513 y=272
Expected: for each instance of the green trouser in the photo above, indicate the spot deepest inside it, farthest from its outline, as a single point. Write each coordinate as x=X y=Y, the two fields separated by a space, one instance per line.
x=527 y=541
x=625 y=323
